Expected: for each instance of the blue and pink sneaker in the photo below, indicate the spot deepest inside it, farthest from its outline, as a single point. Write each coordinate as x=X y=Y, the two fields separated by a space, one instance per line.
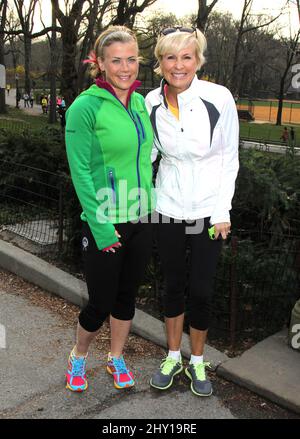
x=76 y=375
x=116 y=367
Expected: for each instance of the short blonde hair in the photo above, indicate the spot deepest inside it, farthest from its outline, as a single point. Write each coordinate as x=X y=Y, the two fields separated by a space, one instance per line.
x=113 y=34
x=176 y=41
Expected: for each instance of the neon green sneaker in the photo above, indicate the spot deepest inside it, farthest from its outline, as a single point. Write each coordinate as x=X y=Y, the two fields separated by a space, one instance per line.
x=163 y=378
x=200 y=385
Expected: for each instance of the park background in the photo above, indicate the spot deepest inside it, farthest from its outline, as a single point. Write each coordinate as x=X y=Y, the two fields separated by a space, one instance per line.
x=252 y=50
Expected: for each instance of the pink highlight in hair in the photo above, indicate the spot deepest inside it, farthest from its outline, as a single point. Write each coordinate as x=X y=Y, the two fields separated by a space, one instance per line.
x=92 y=59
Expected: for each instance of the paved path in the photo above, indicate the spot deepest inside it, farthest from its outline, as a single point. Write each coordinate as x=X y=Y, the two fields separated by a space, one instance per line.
x=34 y=362
x=11 y=100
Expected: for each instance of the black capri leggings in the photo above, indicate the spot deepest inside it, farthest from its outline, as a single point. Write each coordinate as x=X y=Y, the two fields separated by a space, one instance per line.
x=113 y=279
x=173 y=238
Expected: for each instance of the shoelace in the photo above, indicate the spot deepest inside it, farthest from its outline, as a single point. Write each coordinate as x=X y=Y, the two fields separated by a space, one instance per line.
x=167 y=365
x=78 y=366
x=200 y=370
x=120 y=365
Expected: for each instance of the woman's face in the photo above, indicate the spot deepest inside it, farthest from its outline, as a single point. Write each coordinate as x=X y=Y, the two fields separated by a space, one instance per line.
x=120 y=65
x=179 y=68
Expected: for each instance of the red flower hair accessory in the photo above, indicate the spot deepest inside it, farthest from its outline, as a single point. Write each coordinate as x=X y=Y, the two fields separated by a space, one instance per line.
x=92 y=59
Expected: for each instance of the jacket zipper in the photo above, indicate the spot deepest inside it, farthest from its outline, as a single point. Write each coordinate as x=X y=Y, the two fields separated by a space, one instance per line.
x=138 y=154
x=141 y=125
x=112 y=183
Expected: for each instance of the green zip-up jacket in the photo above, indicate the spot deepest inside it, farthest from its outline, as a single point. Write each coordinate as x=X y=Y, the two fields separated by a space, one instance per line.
x=108 y=150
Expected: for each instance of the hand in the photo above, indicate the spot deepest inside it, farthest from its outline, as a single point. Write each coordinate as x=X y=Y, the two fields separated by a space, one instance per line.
x=222 y=229
x=118 y=244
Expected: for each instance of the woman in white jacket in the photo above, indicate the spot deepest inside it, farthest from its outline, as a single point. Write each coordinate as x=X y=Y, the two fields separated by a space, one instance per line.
x=196 y=132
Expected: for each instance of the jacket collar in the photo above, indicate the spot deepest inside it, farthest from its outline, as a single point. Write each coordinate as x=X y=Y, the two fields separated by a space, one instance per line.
x=185 y=96
x=106 y=86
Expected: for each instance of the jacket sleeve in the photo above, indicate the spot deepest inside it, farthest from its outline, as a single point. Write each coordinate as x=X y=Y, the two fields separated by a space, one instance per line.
x=80 y=121
x=154 y=151
x=230 y=162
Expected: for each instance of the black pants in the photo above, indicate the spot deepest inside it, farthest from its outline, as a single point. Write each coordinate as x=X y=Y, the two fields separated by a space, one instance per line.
x=113 y=279
x=173 y=239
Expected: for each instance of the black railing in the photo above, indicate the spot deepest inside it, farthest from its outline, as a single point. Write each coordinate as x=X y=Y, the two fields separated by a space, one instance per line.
x=258 y=276
x=31 y=201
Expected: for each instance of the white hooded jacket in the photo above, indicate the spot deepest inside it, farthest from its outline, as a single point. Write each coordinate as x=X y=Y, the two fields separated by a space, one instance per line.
x=199 y=152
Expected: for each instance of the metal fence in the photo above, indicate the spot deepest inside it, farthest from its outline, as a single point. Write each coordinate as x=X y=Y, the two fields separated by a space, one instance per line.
x=258 y=277
x=257 y=284
x=31 y=201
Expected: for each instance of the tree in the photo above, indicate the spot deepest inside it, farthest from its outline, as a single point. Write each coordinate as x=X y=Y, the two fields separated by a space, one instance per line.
x=70 y=22
x=127 y=10
x=3 y=12
x=26 y=17
x=291 y=45
x=203 y=12
x=26 y=12
x=147 y=36
x=245 y=26
x=94 y=12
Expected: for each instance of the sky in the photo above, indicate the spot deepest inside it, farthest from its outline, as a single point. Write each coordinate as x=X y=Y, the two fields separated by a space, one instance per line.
x=270 y=7
x=185 y=7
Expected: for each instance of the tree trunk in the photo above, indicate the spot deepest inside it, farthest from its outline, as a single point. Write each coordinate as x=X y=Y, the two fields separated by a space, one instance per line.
x=86 y=44
x=3 y=20
x=53 y=70
x=280 y=101
x=27 y=62
x=203 y=13
x=68 y=70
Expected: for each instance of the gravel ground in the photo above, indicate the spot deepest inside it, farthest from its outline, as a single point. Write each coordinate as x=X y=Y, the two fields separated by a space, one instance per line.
x=241 y=402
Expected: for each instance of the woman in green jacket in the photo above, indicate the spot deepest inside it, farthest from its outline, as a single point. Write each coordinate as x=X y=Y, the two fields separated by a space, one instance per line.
x=109 y=139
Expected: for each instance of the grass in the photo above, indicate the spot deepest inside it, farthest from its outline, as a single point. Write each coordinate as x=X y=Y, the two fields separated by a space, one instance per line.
x=266 y=131
x=16 y=118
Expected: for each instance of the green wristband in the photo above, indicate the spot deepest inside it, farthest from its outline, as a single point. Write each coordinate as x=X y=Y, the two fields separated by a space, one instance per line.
x=211 y=232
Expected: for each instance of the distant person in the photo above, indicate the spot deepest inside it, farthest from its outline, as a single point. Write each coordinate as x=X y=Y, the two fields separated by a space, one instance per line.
x=63 y=103
x=58 y=102
x=285 y=135
x=292 y=136
x=26 y=100
x=8 y=89
x=62 y=116
x=44 y=105
x=18 y=98
x=31 y=98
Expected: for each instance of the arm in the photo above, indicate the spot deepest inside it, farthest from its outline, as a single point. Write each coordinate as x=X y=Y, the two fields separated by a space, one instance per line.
x=230 y=144
x=80 y=122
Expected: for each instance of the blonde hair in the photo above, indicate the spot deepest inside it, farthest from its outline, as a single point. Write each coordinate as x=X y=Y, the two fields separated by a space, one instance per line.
x=176 y=41
x=113 y=34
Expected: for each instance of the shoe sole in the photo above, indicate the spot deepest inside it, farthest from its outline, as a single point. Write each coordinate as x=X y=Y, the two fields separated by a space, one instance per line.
x=127 y=386
x=192 y=387
x=76 y=390
x=171 y=382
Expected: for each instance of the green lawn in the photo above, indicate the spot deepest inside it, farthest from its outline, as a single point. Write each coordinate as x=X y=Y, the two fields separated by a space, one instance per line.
x=266 y=131
x=17 y=119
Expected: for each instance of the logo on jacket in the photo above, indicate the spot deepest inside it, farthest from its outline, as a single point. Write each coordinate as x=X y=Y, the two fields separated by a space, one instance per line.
x=85 y=243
